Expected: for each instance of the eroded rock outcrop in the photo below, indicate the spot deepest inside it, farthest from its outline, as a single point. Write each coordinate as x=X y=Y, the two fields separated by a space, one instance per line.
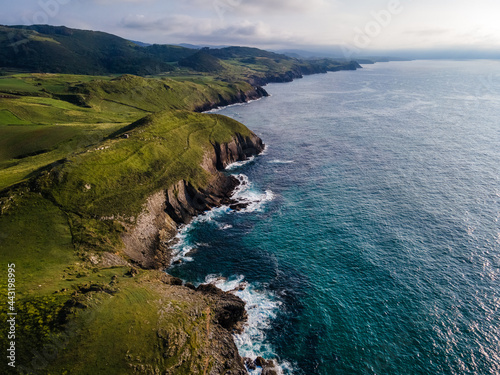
x=148 y=242
x=145 y=243
x=241 y=96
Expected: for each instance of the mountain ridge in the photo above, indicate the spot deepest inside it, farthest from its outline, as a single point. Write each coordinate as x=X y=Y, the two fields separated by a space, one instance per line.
x=59 y=49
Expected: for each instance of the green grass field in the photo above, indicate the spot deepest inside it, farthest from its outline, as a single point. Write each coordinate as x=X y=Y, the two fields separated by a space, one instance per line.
x=60 y=172
x=8 y=118
x=54 y=116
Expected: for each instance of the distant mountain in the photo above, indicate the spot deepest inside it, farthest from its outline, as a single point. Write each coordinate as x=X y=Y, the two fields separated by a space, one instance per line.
x=332 y=53
x=169 y=53
x=243 y=52
x=58 y=49
x=202 y=62
x=140 y=44
x=337 y=54
x=200 y=46
x=261 y=67
x=301 y=54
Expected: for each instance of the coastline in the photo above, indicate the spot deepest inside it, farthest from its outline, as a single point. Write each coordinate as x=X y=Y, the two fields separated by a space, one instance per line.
x=260 y=306
x=184 y=204
x=130 y=251
x=149 y=242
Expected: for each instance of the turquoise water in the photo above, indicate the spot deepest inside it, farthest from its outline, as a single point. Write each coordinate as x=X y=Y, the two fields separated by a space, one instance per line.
x=372 y=244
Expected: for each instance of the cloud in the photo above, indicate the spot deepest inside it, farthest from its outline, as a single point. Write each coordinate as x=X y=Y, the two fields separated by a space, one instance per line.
x=206 y=30
x=189 y=26
x=259 y=6
x=106 y=2
x=428 y=32
x=245 y=29
x=170 y=24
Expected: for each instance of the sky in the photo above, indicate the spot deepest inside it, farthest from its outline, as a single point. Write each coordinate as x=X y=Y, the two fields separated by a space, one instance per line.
x=351 y=27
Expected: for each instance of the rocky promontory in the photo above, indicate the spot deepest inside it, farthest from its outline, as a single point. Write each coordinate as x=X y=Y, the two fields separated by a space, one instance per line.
x=148 y=242
x=109 y=215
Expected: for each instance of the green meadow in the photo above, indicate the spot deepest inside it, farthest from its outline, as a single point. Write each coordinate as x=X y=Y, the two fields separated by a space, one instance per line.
x=64 y=164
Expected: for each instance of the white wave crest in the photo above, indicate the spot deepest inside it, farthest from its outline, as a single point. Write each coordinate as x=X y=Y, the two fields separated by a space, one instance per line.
x=245 y=194
x=238 y=164
x=278 y=161
x=262 y=307
x=183 y=246
x=217 y=109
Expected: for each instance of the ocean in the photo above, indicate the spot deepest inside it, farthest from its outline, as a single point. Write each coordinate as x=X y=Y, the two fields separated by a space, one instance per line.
x=371 y=242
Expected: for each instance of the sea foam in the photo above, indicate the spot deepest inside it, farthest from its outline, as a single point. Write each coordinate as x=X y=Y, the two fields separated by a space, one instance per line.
x=262 y=307
x=278 y=161
x=217 y=109
x=239 y=164
x=246 y=194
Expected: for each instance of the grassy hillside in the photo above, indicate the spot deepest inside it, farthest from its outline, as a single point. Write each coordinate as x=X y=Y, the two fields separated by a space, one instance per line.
x=51 y=49
x=202 y=62
x=57 y=229
x=115 y=178
x=69 y=184
x=45 y=117
x=169 y=53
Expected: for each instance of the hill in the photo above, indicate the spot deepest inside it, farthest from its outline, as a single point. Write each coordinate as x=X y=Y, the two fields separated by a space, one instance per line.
x=202 y=62
x=58 y=49
x=86 y=163
x=261 y=67
x=85 y=305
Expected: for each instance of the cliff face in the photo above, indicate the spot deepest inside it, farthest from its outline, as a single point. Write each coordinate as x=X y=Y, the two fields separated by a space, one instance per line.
x=184 y=201
x=148 y=242
x=302 y=69
x=148 y=245
x=256 y=92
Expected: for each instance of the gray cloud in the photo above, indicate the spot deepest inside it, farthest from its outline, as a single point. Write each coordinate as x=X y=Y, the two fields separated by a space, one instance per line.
x=259 y=6
x=422 y=24
x=170 y=24
x=180 y=28
x=182 y=25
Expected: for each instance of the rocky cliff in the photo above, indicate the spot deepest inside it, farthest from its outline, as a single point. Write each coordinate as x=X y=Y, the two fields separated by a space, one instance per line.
x=148 y=242
x=240 y=96
x=148 y=245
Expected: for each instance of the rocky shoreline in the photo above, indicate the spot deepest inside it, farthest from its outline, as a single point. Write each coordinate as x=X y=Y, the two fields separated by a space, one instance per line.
x=148 y=244
x=174 y=166
x=255 y=93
